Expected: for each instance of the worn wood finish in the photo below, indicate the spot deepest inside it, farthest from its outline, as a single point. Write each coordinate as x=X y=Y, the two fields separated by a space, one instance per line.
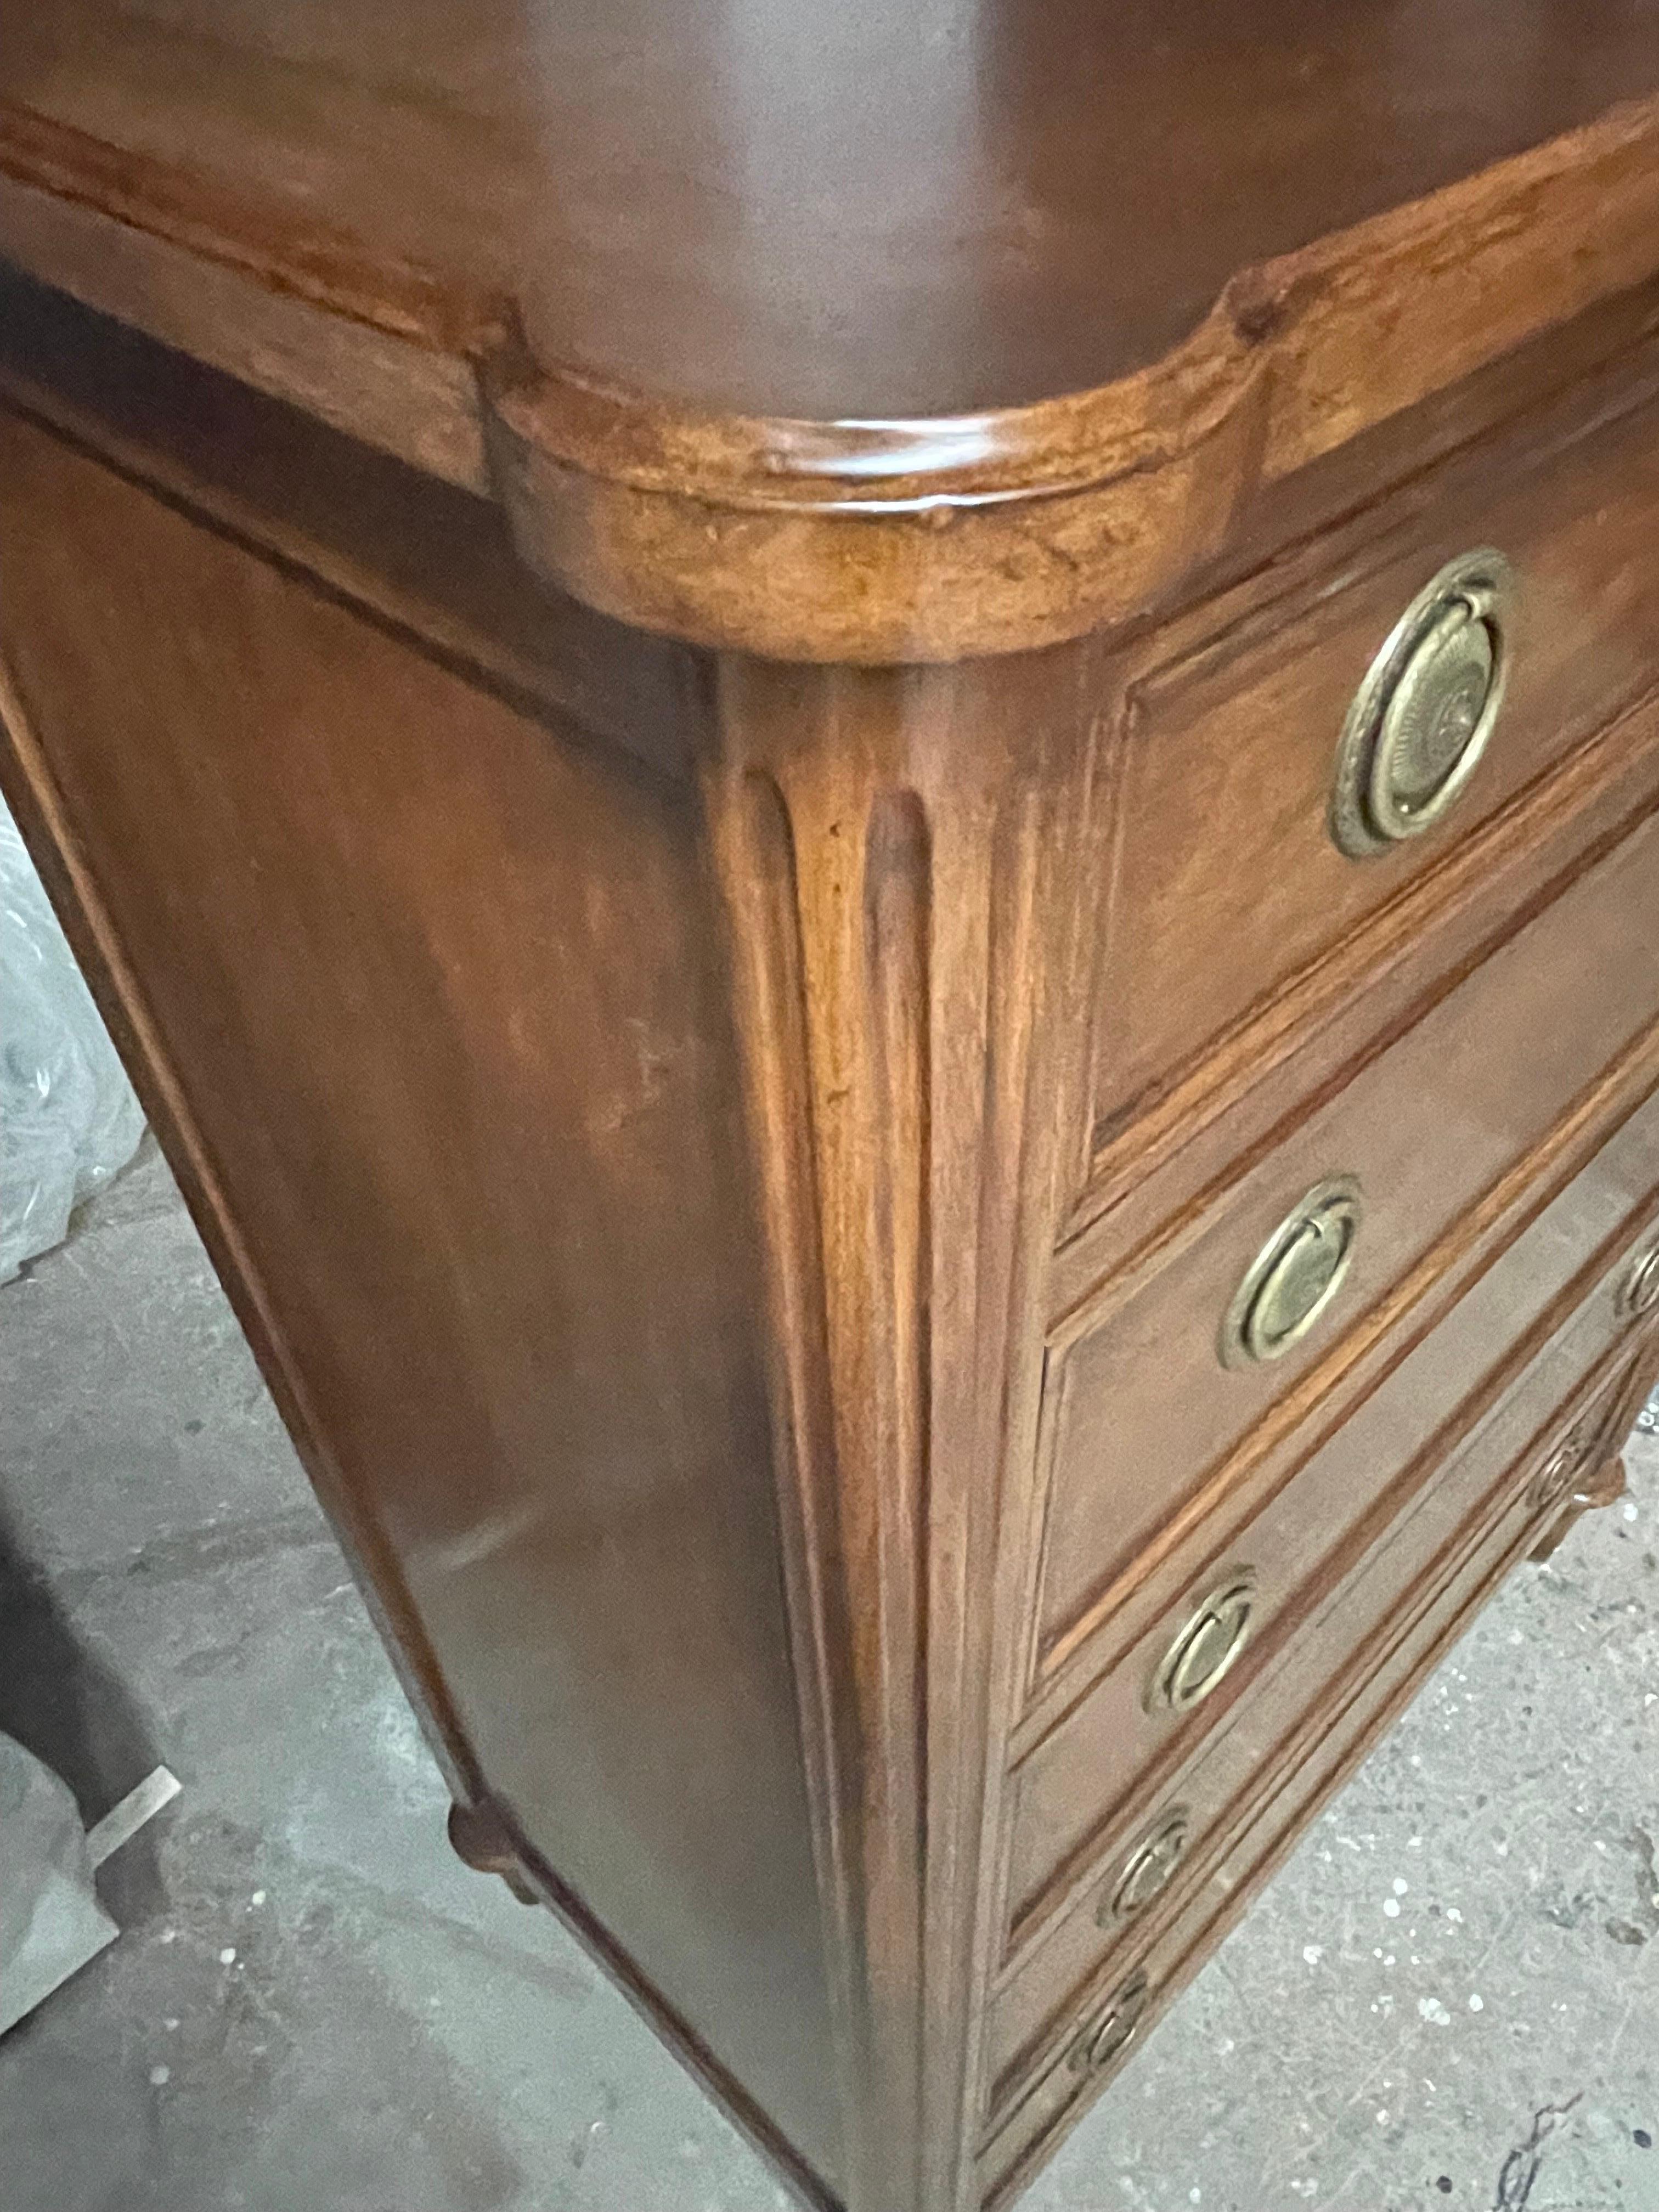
x=950 y=391
x=1571 y=1399
x=680 y=671
x=421 y=557
x=1225 y=886
x=1350 y=1721
x=1271 y=1737
x=1487 y=1099
x=931 y=539
x=882 y=840
x=870 y=215
x=1323 y=1501
x=432 y=978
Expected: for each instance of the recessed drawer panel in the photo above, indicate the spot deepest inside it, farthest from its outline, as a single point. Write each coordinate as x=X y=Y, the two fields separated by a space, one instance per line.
x=1561 y=1294
x=1225 y=878
x=1178 y=1373
x=1151 y=1858
x=1429 y=1584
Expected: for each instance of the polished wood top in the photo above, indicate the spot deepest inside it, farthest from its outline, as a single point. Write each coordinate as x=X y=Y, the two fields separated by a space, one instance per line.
x=845 y=332
x=768 y=207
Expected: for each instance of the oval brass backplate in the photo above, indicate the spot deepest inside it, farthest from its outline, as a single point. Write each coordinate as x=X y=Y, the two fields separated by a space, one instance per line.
x=1114 y=2029
x=1424 y=713
x=1146 y=1867
x=1294 y=1277
x=1209 y=1642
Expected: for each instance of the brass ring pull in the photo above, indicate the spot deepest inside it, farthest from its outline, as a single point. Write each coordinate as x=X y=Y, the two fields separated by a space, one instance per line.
x=1422 y=718
x=1641 y=1291
x=1109 y=2035
x=1148 y=1868
x=1294 y=1277
x=1554 y=1480
x=1203 y=1653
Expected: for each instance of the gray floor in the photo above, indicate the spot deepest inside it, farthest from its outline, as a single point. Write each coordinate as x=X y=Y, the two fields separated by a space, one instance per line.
x=315 y=2008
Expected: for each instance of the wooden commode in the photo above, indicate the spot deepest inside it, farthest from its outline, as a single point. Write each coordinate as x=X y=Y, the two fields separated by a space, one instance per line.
x=871 y=795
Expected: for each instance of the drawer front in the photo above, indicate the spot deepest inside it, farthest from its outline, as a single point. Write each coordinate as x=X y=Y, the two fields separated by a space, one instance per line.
x=1503 y=1082
x=1554 y=1422
x=1224 y=880
x=1092 y=1769
x=1046 y=2085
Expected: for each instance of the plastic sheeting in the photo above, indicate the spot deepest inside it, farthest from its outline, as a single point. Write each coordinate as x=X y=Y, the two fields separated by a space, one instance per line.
x=51 y=1921
x=69 y=1120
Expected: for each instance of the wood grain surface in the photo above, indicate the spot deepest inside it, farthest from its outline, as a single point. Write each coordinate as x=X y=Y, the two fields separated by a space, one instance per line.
x=423 y=989
x=679 y=669
x=853 y=337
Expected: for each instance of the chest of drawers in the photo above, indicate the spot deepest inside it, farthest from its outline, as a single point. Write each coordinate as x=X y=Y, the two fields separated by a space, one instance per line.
x=874 y=805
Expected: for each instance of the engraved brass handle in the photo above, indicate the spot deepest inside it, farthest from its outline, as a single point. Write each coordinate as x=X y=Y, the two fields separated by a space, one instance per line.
x=1641 y=1292
x=1295 y=1275
x=1147 y=1867
x=1422 y=718
x=1207 y=1646
x=1115 y=2027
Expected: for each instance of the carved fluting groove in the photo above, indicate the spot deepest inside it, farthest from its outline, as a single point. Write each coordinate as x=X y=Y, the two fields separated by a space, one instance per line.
x=881 y=1325
x=883 y=841
x=754 y=853
x=829 y=951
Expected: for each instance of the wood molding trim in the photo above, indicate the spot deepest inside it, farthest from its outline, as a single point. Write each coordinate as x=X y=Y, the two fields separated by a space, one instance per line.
x=486 y=1839
x=380 y=380
x=861 y=541
x=1245 y=1882
x=1064 y=1665
x=31 y=795
x=1073 y=1880
x=1271 y=1034
x=883 y=841
x=1597 y=795
x=1314 y=1725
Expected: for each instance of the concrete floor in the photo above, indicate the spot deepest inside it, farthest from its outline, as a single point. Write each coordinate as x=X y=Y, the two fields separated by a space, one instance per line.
x=313 y=2008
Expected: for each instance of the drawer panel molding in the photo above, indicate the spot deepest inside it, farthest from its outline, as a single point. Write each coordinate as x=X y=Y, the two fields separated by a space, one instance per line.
x=1459 y=1132
x=1445 y=1576
x=1554 y=1307
x=1227 y=916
